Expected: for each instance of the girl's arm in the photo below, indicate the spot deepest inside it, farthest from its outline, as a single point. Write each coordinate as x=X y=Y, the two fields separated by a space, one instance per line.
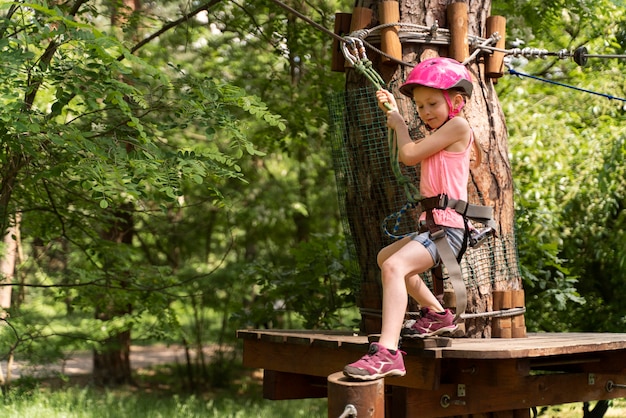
x=453 y=136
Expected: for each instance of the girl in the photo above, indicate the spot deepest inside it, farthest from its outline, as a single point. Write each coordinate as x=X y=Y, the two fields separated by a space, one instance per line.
x=439 y=87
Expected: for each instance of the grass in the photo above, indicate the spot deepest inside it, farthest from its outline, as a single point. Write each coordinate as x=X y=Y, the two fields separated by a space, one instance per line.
x=158 y=394
x=575 y=410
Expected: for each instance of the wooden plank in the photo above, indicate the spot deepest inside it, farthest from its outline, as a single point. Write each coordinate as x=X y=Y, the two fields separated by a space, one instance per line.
x=554 y=389
x=535 y=345
x=324 y=361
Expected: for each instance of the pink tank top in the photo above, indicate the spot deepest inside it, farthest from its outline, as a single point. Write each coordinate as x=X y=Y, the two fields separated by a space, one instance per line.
x=446 y=173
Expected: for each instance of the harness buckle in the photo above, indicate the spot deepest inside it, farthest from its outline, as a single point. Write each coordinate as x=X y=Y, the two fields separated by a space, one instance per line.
x=477 y=238
x=438 y=233
x=443 y=201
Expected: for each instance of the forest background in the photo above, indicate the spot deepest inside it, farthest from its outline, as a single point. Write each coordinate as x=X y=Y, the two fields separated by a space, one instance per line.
x=166 y=175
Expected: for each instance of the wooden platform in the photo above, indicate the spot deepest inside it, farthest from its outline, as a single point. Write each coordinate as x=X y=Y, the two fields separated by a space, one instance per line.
x=454 y=377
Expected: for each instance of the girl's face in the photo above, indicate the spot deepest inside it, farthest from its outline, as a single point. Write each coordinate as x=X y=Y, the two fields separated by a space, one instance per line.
x=432 y=106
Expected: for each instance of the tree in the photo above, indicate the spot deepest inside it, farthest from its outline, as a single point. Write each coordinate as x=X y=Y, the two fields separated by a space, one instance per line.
x=491 y=182
x=93 y=135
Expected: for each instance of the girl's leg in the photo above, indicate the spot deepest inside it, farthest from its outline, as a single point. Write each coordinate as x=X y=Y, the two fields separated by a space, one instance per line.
x=422 y=294
x=399 y=263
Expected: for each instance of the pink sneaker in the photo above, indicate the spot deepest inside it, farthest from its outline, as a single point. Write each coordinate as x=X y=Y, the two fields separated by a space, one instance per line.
x=376 y=364
x=431 y=323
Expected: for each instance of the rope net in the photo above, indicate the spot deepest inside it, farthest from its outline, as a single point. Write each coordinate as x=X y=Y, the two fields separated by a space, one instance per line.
x=368 y=191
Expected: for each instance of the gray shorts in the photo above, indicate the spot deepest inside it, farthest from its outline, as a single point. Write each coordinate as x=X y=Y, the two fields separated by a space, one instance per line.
x=454 y=236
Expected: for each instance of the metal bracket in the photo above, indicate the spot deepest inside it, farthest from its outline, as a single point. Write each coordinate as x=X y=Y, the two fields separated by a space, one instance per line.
x=610 y=385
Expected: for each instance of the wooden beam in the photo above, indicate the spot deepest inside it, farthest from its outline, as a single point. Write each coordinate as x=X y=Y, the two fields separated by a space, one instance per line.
x=471 y=398
x=324 y=361
x=282 y=385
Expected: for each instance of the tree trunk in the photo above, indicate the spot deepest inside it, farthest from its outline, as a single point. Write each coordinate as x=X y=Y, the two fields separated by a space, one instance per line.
x=8 y=261
x=111 y=364
x=372 y=191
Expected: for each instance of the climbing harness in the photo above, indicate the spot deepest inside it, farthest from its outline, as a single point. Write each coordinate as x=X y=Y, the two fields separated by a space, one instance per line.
x=474 y=238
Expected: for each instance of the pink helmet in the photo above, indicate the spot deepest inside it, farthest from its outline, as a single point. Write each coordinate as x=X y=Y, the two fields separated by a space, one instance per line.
x=439 y=73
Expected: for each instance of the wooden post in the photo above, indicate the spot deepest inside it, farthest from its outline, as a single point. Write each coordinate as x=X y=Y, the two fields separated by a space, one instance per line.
x=361 y=18
x=342 y=27
x=390 y=42
x=501 y=327
x=494 y=63
x=518 y=327
x=368 y=398
x=457 y=24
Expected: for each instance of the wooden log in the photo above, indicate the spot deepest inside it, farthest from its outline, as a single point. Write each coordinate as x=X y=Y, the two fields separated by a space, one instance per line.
x=518 y=327
x=390 y=41
x=494 y=62
x=502 y=300
x=361 y=18
x=367 y=398
x=501 y=327
x=458 y=25
x=342 y=27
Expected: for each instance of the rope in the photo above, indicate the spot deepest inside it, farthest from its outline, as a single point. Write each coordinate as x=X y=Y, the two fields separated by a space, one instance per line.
x=503 y=313
x=354 y=52
x=309 y=21
x=436 y=35
x=512 y=71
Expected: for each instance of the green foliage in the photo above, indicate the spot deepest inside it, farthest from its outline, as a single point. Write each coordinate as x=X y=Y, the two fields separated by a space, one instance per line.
x=567 y=157
x=318 y=287
x=98 y=145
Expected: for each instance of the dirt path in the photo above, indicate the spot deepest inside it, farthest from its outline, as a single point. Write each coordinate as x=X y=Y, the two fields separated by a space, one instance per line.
x=81 y=363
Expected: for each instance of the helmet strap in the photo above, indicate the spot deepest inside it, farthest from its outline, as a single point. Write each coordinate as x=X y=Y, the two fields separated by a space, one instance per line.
x=452 y=111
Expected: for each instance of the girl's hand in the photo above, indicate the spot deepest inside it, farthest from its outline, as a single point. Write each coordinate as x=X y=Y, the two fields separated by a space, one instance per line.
x=386 y=101
x=388 y=104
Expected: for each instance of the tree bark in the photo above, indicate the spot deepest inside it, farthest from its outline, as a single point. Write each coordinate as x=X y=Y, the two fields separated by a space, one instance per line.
x=372 y=193
x=111 y=363
x=8 y=261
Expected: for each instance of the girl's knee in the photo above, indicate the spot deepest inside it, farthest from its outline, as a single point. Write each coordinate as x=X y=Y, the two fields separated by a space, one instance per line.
x=389 y=269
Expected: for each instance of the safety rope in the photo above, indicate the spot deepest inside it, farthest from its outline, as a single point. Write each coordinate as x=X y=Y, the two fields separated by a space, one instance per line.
x=434 y=35
x=502 y=313
x=513 y=71
x=354 y=52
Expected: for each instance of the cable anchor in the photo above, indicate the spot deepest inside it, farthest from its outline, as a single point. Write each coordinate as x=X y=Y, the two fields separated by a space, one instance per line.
x=580 y=56
x=610 y=385
x=349 y=411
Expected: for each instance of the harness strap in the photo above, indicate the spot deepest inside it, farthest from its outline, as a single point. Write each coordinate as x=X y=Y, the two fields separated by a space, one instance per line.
x=479 y=213
x=454 y=272
x=437 y=233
